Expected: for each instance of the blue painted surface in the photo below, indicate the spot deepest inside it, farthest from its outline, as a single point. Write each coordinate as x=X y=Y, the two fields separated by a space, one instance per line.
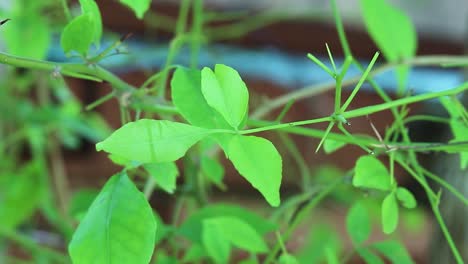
x=290 y=71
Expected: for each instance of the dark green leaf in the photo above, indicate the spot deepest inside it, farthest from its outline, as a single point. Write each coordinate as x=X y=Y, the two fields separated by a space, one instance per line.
x=358 y=223
x=78 y=34
x=225 y=91
x=138 y=6
x=118 y=228
x=258 y=161
x=394 y=251
x=165 y=174
x=406 y=198
x=389 y=213
x=152 y=141
x=371 y=173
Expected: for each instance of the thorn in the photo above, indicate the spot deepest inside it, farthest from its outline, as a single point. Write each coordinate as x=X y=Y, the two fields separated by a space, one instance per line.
x=4 y=21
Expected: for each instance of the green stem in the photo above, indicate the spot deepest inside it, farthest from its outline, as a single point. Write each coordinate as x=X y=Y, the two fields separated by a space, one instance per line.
x=446 y=185
x=66 y=10
x=340 y=28
x=290 y=124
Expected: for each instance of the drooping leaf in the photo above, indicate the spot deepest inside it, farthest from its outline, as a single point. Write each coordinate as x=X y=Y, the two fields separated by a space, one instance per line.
x=78 y=34
x=258 y=161
x=392 y=31
x=389 y=213
x=406 y=198
x=119 y=227
x=371 y=173
x=369 y=256
x=192 y=227
x=394 y=251
x=358 y=223
x=216 y=244
x=165 y=174
x=238 y=232
x=139 y=7
x=188 y=98
x=152 y=141
x=225 y=91
x=90 y=7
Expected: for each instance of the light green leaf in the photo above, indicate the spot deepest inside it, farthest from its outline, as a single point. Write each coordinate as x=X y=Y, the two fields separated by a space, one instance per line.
x=152 y=141
x=195 y=253
x=258 y=161
x=288 y=259
x=371 y=173
x=165 y=174
x=90 y=7
x=118 y=228
x=188 y=98
x=78 y=34
x=394 y=251
x=369 y=256
x=406 y=198
x=389 y=213
x=225 y=91
x=330 y=145
x=216 y=244
x=358 y=223
x=238 y=233
x=138 y=6
x=81 y=201
x=212 y=169
x=192 y=227
x=392 y=31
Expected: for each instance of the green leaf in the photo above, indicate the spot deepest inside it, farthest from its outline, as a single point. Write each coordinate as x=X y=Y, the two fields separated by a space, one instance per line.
x=371 y=173
x=78 y=34
x=258 y=161
x=118 y=228
x=322 y=241
x=368 y=256
x=389 y=213
x=238 y=233
x=192 y=226
x=165 y=174
x=394 y=251
x=24 y=29
x=406 y=198
x=330 y=145
x=81 y=201
x=392 y=31
x=138 y=6
x=215 y=243
x=20 y=195
x=90 y=7
x=225 y=91
x=152 y=141
x=358 y=223
x=188 y=98
x=288 y=259
x=212 y=169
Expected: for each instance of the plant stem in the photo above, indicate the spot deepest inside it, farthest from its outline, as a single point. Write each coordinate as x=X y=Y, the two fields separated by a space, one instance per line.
x=66 y=10
x=290 y=124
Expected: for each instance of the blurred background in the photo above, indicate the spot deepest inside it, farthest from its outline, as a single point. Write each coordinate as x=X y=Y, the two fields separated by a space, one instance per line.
x=267 y=42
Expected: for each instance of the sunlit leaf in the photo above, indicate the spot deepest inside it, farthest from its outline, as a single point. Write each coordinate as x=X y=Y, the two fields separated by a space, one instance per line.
x=389 y=213
x=225 y=91
x=119 y=227
x=258 y=161
x=406 y=198
x=371 y=173
x=358 y=223
x=138 y=6
x=152 y=141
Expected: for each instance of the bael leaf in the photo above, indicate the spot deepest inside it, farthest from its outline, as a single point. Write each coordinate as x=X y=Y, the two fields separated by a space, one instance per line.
x=225 y=91
x=165 y=174
x=406 y=198
x=188 y=98
x=238 y=233
x=78 y=34
x=389 y=213
x=258 y=161
x=216 y=244
x=394 y=251
x=90 y=7
x=371 y=173
x=358 y=223
x=152 y=141
x=139 y=7
x=118 y=228
x=392 y=31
